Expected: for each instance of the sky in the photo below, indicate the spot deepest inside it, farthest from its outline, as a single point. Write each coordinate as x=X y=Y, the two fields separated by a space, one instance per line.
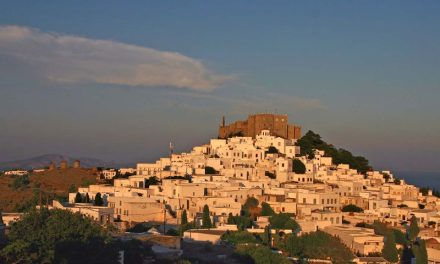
x=119 y=81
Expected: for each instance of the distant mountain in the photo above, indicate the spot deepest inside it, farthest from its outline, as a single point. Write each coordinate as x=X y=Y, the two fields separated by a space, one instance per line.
x=44 y=161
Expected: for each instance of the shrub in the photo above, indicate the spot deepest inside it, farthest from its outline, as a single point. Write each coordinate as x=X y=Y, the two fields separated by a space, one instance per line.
x=20 y=182
x=298 y=167
x=266 y=210
x=210 y=170
x=352 y=208
x=272 y=150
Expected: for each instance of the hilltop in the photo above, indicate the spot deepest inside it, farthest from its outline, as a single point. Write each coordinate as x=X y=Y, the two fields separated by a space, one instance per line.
x=17 y=194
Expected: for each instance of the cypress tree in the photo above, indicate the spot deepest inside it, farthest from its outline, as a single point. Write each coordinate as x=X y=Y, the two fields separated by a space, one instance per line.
x=206 y=218
x=389 y=251
x=98 y=200
x=184 y=218
x=267 y=236
x=419 y=250
x=87 y=198
x=413 y=229
x=78 y=198
x=266 y=210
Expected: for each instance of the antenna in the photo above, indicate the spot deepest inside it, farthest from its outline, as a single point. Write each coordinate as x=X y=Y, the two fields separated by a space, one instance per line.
x=171 y=147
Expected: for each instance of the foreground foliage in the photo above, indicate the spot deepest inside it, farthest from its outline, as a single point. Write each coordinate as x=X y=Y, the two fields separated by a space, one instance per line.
x=58 y=236
x=258 y=254
x=318 y=245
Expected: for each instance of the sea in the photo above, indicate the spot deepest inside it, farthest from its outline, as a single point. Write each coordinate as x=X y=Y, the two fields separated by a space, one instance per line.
x=420 y=179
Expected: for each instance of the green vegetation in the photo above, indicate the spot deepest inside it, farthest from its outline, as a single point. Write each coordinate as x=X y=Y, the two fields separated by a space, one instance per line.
x=283 y=221
x=87 y=182
x=272 y=150
x=352 y=208
x=399 y=237
x=435 y=192
x=410 y=242
x=87 y=200
x=78 y=198
x=210 y=170
x=242 y=222
x=251 y=202
x=139 y=228
x=270 y=174
x=153 y=180
x=414 y=229
x=206 y=217
x=58 y=236
x=98 y=200
x=72 y=188
x=187 y=226
x=298 y=167
x=389 y=251
x=311 y=141
x=266 y=210
x=239 y=237
x=419 y=250
x=183 y=218
x=259 y=255
x=318 y=245
x=250 y=208
x=20 y=182
x=172 y=232
x=176 y=177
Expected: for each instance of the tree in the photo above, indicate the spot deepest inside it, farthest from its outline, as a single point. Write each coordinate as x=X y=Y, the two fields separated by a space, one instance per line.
x=78 y=198
x=206 y=217
x=58 y=236
x=318 y=245
x=419 y=250
x=87 y=198
x=298 y=166
x=352 y=208
x=272 y=150
x=283 y=221
x=389 y=251
x=266 y=210
x=258 y=255
x=72 y=188
x=242 y=222
x=239 y=237
x=153 y=180
x=98 y=200
x=270 y=174
x=184 y=218
x=20 y=182
x=311 y=141
x=413 y=230
x=251 y=202
x=267 y=236
x=210 y=170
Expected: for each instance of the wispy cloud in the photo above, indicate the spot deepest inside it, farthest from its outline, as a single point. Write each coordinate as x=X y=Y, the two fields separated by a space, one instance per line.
x=73 y=59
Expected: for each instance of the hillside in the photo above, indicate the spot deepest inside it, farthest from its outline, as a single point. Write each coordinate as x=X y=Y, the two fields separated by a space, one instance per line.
x=312 y=141
x=44 y=161
x=17 y=194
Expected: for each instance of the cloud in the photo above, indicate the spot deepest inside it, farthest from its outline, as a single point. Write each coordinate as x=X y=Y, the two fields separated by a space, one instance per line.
x=72 y=59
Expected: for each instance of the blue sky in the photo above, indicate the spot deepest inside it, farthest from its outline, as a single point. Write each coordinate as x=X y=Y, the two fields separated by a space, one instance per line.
x=73 y=80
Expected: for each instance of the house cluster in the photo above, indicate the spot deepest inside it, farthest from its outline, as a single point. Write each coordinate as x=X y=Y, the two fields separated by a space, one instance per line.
x=226 y=172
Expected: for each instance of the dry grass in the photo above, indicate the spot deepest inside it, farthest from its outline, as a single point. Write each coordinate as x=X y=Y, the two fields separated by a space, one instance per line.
x=56 y=182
